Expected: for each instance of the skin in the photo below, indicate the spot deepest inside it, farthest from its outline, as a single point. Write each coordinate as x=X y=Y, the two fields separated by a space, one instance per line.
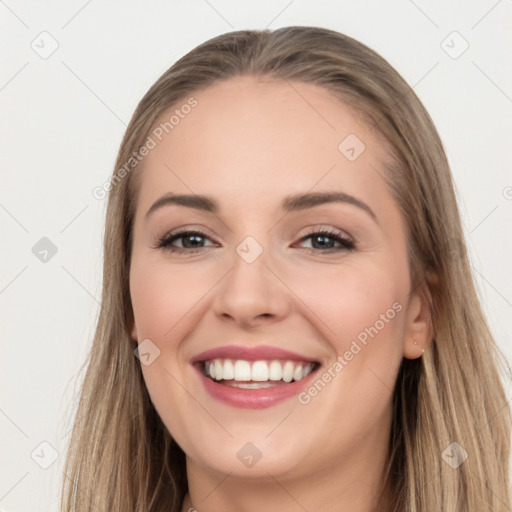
x=249 y=143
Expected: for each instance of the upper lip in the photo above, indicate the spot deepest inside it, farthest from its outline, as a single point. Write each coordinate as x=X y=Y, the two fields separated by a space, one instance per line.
x=244 y=352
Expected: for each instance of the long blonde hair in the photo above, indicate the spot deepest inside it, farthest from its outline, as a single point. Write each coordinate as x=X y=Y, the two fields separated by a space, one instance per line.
x=121 y=458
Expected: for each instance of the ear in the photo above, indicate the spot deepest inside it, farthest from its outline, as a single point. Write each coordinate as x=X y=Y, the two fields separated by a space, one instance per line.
x=418 y=328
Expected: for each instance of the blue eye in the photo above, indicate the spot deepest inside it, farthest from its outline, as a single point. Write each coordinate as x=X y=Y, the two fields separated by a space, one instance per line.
x=325 y=239
x=193 y=241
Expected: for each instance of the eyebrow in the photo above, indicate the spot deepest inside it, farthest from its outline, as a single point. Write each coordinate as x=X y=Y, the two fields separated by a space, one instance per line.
x=291 y=203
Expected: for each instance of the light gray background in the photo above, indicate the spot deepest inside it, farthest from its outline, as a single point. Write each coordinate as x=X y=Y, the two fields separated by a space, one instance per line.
x=62 y=122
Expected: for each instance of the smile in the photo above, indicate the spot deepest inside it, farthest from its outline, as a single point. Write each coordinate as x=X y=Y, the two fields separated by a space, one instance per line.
x=253 y=377
x=256 y=374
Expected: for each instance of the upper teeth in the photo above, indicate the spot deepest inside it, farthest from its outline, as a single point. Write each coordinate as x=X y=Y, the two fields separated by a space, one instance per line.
x=259 y=371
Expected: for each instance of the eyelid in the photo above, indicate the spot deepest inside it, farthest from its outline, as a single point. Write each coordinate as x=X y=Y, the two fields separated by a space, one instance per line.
x=327 y=229
x=181 y=232
x=186 y=228
x=201 y=230
x=345 y=240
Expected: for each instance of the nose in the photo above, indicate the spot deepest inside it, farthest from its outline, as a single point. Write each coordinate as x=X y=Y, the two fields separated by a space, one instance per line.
x=251 y=294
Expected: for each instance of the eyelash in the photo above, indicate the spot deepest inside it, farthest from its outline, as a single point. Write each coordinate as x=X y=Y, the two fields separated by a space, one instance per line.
x=347 y=243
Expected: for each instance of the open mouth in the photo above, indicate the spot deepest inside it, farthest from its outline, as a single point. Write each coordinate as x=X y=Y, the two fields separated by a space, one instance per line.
x=260 y=374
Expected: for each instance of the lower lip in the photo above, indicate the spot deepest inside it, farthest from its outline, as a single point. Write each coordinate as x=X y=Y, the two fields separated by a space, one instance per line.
x=254 y=398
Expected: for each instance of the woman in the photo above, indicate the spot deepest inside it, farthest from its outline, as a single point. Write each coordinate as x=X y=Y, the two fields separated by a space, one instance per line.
x=288 y=316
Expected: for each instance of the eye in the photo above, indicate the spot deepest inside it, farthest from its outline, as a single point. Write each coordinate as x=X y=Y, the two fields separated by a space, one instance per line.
x=324 y=240
x=191 y=241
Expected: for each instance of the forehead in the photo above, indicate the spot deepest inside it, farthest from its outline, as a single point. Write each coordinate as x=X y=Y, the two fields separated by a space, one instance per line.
x=251 y=138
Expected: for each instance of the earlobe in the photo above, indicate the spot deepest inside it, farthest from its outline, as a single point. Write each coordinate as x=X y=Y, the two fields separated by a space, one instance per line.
x=413 y=349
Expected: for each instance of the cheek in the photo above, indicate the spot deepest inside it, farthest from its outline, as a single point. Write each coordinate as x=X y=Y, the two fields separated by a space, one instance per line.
x=168 y=302
x=164 y=296
x=165 y=299
x=349 y=301
x=361 y=314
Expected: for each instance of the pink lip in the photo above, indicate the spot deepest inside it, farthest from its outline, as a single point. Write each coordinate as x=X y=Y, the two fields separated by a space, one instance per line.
x=262 y=352
x=251 y=398
x=254 y=398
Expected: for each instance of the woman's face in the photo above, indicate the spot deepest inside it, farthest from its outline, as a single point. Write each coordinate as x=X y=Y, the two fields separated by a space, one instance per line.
x=293 y=288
